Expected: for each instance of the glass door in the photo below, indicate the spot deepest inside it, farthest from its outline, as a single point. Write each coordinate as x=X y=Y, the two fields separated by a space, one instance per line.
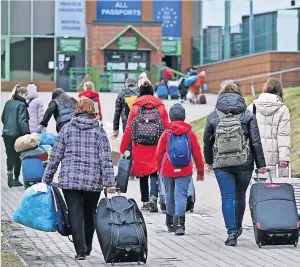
x=4 y=59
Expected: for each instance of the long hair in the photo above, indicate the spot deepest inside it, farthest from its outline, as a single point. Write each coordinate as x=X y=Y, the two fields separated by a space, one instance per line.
x=18 y=90
x=230 y=88
x=59 y=93
x=273 y=86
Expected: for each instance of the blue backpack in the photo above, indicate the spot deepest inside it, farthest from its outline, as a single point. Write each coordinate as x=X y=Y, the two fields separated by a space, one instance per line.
x=179 y=150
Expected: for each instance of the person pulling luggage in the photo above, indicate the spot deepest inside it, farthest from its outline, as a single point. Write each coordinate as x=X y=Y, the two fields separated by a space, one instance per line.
x=83 y=149
x=174 y=153
x=231 y=145
x=146 y=122
x=62 y=107
x=124 y=103
x=15 y=119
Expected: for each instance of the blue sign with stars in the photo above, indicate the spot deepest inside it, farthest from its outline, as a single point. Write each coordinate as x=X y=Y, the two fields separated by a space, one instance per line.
x=169 y=14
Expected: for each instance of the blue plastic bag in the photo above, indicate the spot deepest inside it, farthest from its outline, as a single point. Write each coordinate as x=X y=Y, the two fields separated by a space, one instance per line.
x=47 y=138
x=36 y=209
x=190 y=80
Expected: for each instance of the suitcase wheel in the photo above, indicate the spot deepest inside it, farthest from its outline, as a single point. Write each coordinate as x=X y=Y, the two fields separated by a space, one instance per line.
x=192 y=210
x=163 y=207
x=259 y=244
x=295 y=244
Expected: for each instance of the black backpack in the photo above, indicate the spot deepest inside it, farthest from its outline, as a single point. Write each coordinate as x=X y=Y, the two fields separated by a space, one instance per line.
x=147 y=126
x=63 y=224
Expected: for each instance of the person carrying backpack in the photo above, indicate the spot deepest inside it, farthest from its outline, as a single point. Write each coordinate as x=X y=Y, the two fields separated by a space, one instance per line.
x=88 y=92
x=146 y=122
x=174 y=153
x=231 y=145
x=124 y=103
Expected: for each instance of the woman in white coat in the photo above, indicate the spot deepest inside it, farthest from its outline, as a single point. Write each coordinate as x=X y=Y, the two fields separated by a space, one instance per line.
x=273 y=119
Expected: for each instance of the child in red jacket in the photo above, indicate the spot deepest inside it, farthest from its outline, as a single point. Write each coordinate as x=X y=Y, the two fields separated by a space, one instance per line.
x=174 y=154
x=88 y=92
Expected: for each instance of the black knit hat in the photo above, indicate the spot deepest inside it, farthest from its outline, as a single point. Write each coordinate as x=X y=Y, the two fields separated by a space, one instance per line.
x=146 y=89
x=177 y=113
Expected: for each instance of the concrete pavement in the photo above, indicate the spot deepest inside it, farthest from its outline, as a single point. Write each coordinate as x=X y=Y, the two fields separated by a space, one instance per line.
x=203 y=244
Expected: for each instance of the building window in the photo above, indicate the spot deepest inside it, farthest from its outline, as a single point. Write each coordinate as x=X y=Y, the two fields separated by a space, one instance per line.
x=20 y=17
x=43 y=53
x=43 y=11
x=20 y=58
x=4 y=17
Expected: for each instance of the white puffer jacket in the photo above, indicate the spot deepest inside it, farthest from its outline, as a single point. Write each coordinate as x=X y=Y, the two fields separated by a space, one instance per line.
x=273 y=119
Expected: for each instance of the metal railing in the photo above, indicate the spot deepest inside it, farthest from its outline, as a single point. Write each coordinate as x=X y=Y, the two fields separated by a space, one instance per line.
x=268 y=74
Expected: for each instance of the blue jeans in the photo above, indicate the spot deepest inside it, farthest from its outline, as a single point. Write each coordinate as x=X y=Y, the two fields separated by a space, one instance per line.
x=176 y=194
x=144 y=186
x=233 y=186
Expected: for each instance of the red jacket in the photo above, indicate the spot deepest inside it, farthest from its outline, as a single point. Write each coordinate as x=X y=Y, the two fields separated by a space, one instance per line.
x=164 y=165
x=92 y=94
x=143 y=157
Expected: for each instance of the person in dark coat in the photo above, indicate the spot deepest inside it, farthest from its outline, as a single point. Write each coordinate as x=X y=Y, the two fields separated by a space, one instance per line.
x=15 y=119
x=122 y=107
x=234 y=181
x=83 y=149
x=62 y=107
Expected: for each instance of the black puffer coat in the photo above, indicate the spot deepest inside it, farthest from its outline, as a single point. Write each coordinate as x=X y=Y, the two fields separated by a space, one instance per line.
x=235 y=104
x=15 y=117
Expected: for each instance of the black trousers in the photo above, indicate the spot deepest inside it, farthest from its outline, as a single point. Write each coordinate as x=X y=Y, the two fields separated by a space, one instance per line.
x=13 y=161
x=82 y=207
x=144 y=186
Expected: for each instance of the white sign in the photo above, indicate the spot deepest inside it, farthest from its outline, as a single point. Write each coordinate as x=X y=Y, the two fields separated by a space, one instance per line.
x=70 y=18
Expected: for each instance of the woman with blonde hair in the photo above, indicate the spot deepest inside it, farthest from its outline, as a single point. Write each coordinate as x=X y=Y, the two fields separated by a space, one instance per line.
x=83 y=149
x=232 y=155
x=273 y=118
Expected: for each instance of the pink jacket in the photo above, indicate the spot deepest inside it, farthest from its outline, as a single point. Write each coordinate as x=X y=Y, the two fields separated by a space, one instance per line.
x=35 y=109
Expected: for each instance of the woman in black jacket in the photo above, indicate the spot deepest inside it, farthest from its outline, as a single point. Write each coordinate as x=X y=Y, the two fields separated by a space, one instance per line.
x=233 y=180
x=15 y=121
x=62 y=107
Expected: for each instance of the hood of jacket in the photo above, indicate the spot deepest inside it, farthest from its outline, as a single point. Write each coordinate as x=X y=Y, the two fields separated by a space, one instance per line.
x=89 y=94
x=133 y=90
x=267 y=104
x=232 y=103
x=179 y=127
x=148 y=99
x=84 y=122
x=32 y=91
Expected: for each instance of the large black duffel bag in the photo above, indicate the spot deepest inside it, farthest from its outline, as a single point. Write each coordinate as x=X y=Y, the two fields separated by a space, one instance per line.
x=121 y=230
x=274 y=214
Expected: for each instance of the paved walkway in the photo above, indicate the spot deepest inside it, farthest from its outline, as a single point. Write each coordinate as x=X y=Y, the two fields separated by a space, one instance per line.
x=203 y=244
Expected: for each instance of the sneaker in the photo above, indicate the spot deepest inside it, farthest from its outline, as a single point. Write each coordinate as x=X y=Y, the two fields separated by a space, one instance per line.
x=146 y=206
x=17 y=183
x=239 y=232
x=231 y=240
x=80 y=257
x=153 y=204
x=10 y=179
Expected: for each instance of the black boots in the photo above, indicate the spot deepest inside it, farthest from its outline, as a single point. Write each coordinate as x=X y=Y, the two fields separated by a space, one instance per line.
x=231 y=240
x=10 y=179
x=17 y=183
x=169 y=223
x=179 y=224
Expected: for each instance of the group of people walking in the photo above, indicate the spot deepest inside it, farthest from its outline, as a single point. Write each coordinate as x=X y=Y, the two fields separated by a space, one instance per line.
x=163 y=146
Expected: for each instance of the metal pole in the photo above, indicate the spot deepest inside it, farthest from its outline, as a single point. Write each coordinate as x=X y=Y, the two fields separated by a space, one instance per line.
x=201 y=32
x=251 y=32
x=227 y=30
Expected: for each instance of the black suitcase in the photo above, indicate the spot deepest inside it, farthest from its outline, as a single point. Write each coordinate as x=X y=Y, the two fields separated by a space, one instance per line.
x=124 y=168
x=191 y=199
x=274 y=214
x=121 y=231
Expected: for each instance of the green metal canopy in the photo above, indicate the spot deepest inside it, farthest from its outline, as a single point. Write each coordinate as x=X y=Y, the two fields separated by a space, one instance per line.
x=130 y=27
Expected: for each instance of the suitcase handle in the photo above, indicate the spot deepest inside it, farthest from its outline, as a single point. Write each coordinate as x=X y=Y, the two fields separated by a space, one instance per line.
x=105 y=191
x=290 y=171
x=268 y=171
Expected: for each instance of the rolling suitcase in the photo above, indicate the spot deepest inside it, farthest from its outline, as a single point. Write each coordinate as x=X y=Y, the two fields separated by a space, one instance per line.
x=202 y=99
x=173 y=90
x=124 y=168
x=191 y=199
x=32 y=171
x=274 y=214
x=121 y=230
x=162 y=91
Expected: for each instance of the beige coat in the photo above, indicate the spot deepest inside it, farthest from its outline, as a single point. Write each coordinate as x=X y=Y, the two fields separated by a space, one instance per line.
x=273 y=119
